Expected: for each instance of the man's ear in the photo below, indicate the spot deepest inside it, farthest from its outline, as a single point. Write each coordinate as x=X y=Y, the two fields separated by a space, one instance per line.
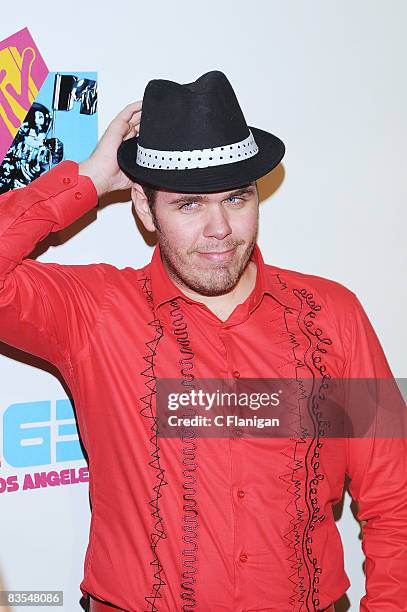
x=142 y=207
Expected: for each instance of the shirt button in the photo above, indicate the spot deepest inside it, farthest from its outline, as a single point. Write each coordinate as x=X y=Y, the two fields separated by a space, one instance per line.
x=239 y=431
x=66 y=180
x=243 y=558
x=78 y=195
x=236 y=373
x=240 y=493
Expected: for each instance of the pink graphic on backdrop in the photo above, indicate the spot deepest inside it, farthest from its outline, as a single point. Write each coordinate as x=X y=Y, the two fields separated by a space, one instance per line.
x=22 y=73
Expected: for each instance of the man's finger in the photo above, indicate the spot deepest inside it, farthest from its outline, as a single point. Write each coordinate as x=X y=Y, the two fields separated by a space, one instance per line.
x=131 y=133
x=125 y=120
x=129 y=110
x=135 y=120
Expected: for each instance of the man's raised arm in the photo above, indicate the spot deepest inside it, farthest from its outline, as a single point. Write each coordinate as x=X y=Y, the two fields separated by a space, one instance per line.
x=48 y=309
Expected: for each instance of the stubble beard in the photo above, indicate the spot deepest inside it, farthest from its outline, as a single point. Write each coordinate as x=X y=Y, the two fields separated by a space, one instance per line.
x=191 y=271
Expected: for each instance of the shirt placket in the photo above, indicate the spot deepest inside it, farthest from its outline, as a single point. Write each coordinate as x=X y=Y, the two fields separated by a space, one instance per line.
x=239 y=487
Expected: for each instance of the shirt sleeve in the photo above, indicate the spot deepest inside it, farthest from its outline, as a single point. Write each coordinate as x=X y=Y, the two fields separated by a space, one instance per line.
x=377 y=468
x=47 y=309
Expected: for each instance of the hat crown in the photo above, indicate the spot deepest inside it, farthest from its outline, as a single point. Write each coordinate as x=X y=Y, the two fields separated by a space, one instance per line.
x=198 y=115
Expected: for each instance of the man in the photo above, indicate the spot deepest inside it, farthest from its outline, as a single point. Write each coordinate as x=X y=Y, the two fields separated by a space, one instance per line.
x=215 y=524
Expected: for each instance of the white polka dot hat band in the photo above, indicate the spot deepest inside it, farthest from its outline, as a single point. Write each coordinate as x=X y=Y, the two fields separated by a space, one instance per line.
x=197 y=158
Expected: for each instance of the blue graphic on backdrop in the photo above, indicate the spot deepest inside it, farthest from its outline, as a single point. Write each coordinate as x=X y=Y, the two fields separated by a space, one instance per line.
x=61 y=124
x=30 y=438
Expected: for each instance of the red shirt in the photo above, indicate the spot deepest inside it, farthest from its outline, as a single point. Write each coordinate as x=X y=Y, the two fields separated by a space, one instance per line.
x=216 y=524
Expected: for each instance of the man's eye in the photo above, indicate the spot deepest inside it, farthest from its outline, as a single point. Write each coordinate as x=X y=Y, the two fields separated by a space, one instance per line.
x=186 y=206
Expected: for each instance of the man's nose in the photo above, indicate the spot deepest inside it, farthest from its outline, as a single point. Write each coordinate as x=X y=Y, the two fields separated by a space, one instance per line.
x=217 y=223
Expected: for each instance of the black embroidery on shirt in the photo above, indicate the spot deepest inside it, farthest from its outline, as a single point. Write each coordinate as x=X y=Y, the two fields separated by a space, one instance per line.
x=302 y=556
x=320 y=425
x=190 y=518
x=181 y=332
x=294 y=484
x=148 y=412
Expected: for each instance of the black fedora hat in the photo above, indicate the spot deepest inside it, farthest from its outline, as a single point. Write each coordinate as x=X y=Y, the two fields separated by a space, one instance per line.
x=194 y=138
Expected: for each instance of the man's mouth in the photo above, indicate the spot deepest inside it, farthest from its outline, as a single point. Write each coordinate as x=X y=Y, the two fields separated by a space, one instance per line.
x=218 y=255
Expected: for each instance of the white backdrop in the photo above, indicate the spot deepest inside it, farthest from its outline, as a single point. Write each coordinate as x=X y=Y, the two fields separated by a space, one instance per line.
x=326 y=76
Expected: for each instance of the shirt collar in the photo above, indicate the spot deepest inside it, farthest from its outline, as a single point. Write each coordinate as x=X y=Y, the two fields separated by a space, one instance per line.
x=267 y=281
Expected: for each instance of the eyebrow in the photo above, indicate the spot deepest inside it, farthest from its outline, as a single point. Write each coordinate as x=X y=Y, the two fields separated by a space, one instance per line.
x=203 y=198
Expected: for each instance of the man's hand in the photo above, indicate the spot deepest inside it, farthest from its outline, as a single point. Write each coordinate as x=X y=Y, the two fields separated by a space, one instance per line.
x=102 y=166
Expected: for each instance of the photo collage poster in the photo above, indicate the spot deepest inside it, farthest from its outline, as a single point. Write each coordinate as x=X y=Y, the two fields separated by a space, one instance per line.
x=45 y=117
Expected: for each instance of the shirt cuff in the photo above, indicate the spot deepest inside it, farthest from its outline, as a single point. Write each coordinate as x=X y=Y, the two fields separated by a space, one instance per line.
x=74 y=194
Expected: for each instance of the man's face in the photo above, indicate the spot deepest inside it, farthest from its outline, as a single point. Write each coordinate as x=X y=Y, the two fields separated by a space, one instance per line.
x=195 y=229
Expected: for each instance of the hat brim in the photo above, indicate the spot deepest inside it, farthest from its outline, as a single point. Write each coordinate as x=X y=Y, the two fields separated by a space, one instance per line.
x=214 y=178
